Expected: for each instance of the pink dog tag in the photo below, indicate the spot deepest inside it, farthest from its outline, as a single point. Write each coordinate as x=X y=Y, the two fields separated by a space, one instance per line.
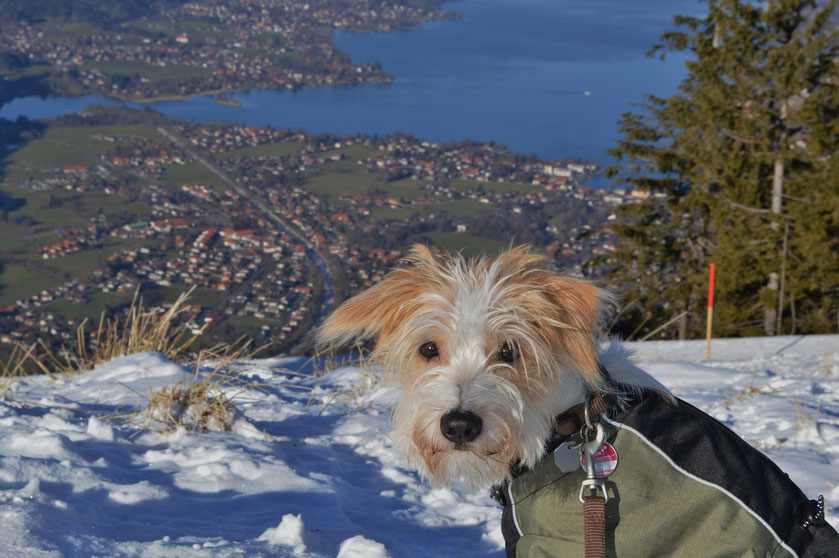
x=605 y=461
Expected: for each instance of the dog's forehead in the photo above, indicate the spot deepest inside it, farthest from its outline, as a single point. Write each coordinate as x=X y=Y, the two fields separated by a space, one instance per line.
x=474 y=298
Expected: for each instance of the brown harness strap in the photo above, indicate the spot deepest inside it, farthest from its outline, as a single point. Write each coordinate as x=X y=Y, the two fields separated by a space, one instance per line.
x=594 y=520
x=573 y=419
x=594 y=507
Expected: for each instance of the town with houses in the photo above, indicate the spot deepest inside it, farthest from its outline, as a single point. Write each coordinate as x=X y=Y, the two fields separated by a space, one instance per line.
x=179 y=49
x=270 y=228
x=267 y=229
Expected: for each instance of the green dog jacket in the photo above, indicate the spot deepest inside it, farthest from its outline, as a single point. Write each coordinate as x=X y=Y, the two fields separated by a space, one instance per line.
x=685 y=486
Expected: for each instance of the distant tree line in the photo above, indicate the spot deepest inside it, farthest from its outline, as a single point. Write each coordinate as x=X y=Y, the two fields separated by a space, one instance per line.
x=744 y=161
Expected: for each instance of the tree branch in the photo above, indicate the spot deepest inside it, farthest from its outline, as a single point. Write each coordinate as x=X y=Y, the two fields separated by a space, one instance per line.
x=802 y=200
x=747 y=208
x=736 y=137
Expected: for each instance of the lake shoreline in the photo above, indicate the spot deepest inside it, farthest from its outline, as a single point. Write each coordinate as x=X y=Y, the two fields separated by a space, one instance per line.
x=52 y=83
x=538 y=77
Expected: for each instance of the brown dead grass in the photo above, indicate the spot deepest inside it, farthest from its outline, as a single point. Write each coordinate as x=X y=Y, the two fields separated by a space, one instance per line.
x=141 y=329
x=204 y=401
x=14 y=366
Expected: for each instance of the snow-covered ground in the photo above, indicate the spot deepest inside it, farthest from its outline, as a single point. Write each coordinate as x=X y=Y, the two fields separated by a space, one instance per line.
x=308 y=469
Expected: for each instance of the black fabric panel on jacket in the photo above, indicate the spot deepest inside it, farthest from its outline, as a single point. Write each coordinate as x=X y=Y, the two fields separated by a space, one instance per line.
x=508 y=525
x=706 y=448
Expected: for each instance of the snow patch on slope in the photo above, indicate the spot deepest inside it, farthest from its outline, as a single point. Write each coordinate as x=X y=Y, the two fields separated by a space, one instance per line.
x=310 y=470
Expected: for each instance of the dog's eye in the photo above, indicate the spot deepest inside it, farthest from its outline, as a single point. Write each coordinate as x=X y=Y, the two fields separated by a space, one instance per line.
x=429 y=350
x=508 y=353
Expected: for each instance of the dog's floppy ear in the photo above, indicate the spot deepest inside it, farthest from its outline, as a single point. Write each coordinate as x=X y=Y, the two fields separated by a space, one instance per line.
x=580 y=308
x=382 y=307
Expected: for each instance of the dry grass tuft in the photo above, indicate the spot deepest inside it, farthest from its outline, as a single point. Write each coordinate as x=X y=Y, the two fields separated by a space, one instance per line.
x=831 y=364
x=352 y=399
x=750 y=390
x=326 y=364
x=140 y=330
x=803 y=422
x=17 y=364
x=204 y=400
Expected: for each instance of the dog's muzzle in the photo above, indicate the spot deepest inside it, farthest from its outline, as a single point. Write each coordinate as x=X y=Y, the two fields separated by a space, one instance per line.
x=461 y=427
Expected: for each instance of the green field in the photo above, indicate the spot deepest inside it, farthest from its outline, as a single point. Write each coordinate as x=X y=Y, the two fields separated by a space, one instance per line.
x=278 y=149
x=113 y=206
x=467 y=243
x=407 y=188
x=97 y=302
x=67 y=146
x=460 y=209
x=465 y=208
x=347 y=177
x=398 y=214
x=26 y=273
x=521 y=187
x=11 y=236
x=80 y=264
x=194 y=29
x=73 y=214
x=198 y=29
x=60 y=27
x=31 y=274
x=16 y=239
x=34 y=70
x=152 y=72
x=42 y=154
x=37 y=208
x=57 y=217
x=19 y=281
x=353 y=153
x=75 y=132
x=95 y=146
x=191 y=173
x=333 y=184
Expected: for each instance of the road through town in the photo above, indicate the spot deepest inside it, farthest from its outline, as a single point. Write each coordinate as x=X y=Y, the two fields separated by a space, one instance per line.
x=312 y=250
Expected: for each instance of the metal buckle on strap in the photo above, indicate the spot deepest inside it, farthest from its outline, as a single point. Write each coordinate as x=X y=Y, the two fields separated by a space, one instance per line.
x=595 y=485
x=590 y=446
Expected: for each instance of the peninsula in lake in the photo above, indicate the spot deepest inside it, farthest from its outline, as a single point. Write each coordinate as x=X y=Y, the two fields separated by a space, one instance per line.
x=171 y=49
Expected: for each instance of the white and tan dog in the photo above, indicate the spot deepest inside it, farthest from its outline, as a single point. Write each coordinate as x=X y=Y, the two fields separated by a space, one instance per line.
x=494 y=355
x=488 y=352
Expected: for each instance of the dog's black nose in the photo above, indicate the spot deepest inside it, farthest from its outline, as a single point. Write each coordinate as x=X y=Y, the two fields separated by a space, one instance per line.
x=461 y=427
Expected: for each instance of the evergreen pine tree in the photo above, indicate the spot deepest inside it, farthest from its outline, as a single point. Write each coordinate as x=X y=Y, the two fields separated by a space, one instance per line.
x=740 y=168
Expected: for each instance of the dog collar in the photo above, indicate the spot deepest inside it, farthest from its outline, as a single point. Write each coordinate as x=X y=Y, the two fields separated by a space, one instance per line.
x=567 y=423
x=573 y=419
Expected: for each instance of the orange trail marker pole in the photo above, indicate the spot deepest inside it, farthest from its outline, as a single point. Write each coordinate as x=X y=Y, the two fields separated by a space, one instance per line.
x=710 y=313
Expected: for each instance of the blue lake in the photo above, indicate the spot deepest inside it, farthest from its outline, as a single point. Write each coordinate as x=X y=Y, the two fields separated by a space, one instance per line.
x=549 y=77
